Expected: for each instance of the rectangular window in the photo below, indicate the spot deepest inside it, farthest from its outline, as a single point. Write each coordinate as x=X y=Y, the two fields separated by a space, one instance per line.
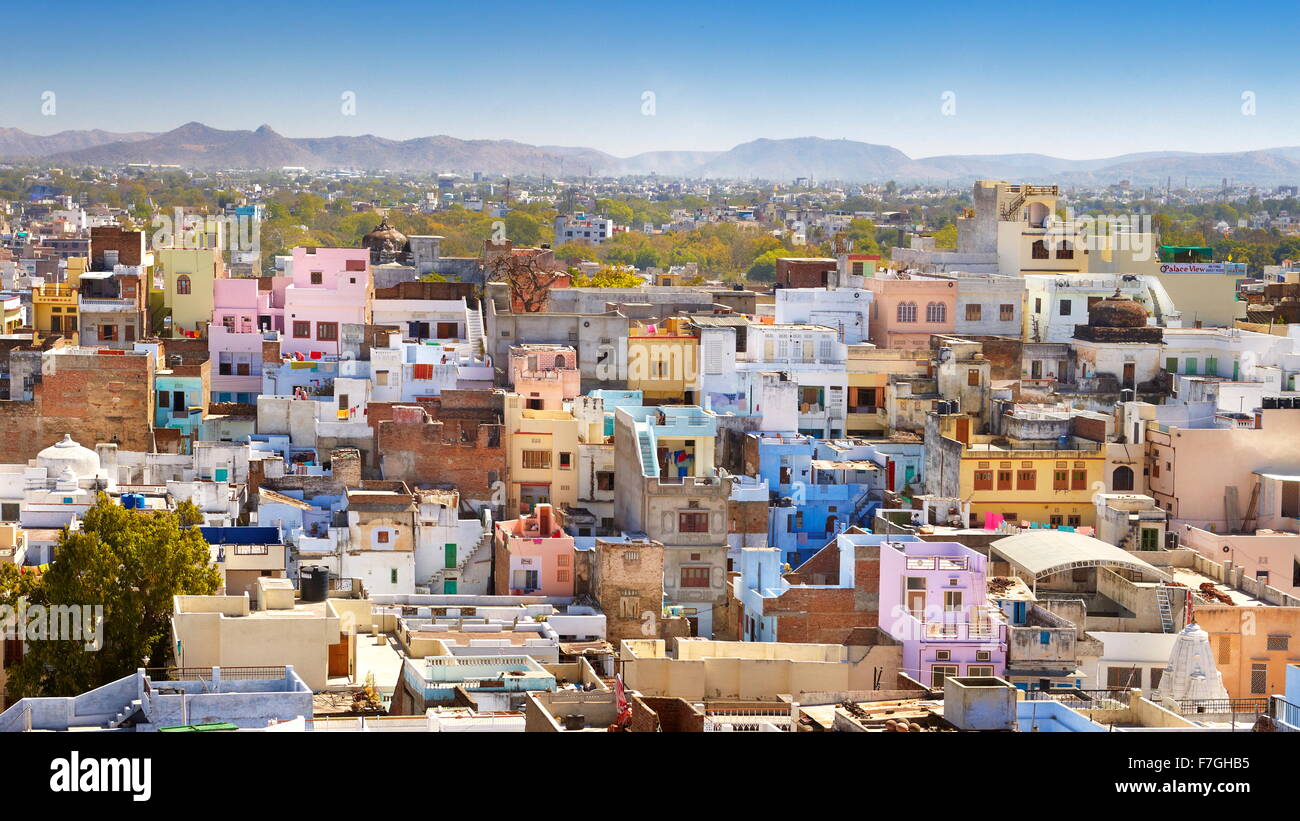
x=317 y=277
x=327 y=331
x=566 y=461
x=939 y=672
x=693 y=522
x=422 y=371
x=537 y=459
x=1026 y=479
x=1065 y=307
x=605 y=480
x=1078 y=480
x=1123 y=678
x=1258 y=679
x=695 y=577
x=973 y=312
x=301 y=330
x=1171 y=364
x=1006 y=313
x=1060 y=480
x=983 y=480
x=1004 y=480
x=979 y=670
x=1282 y=643
x=382 y=536
x=973 y=377
x=108 y=333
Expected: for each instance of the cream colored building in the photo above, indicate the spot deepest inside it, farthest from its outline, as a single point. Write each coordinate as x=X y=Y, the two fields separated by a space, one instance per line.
x=318 y=638
x=700 y=669
x=543 y=453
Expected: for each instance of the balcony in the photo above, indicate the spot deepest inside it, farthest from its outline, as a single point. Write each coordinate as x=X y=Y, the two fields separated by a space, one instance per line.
x=101 y=305
x=55 y=294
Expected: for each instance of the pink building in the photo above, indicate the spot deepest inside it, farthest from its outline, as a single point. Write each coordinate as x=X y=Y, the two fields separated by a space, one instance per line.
x=235 y=338
x=906 y=311
x=545 y=375
x=532 y=555
x=331 y=287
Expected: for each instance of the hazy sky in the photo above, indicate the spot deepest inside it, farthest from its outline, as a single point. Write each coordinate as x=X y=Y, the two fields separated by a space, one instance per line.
x=1078 y=80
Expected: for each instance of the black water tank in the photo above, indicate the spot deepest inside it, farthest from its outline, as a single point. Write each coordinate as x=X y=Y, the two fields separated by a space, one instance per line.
x=1127 y=395
x=315 y=583
x=1270 y=403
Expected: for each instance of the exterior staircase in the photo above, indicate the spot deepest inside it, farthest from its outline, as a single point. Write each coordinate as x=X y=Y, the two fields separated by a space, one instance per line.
x=646 y=444
x=125 y=713
x=474 y=329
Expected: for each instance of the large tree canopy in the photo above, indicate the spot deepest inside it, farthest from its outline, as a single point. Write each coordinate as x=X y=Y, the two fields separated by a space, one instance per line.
x=129 y=562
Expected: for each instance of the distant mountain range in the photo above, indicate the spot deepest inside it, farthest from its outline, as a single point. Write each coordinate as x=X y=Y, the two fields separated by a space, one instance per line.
x=195 y=145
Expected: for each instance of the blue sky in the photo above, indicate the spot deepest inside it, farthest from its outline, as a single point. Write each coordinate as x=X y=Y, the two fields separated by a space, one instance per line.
x=1078 y=80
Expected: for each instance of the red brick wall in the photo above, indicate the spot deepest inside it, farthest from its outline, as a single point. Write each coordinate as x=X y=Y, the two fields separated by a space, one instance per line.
x=803 y=273
x=93 y=397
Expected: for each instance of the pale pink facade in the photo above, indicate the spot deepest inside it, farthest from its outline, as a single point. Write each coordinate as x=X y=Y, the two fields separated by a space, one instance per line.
x=905 y=312
x=235 y=339
x=534 y=555
x=331 y=287
x=545 y=375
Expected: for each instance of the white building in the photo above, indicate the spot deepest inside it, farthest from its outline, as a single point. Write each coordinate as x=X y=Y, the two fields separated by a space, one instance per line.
x=582 y=229
x=845 y=309
x=1055 y=304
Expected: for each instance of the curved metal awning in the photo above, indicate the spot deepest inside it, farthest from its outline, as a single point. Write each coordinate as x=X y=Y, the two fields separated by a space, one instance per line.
x=1041 y=553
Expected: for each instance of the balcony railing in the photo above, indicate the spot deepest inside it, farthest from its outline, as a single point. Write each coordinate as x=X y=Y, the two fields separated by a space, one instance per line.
x=1223 y=706
x=1082 y=699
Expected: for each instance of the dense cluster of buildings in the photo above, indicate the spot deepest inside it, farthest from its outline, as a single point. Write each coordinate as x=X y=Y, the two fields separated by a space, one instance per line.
x=1046 y=481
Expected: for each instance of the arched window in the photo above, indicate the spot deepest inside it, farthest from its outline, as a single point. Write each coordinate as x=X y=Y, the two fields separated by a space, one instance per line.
x=907 y=312
x=1039 y=250
x=182 y=284
x=559 y=362
x=1122 y=478
x=936 y=312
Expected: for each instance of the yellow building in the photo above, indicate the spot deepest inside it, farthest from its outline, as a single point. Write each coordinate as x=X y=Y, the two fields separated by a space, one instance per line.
x=543 y=452
x=662 y=359
x=869 y=372
x=1046 y=482
x=187 y=279
x=54 y=305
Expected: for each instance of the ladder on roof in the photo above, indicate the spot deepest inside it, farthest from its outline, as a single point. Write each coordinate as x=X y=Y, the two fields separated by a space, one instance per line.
x=1166 y=609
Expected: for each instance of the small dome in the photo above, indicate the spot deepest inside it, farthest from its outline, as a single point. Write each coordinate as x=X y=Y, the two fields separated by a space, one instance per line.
x=1117 y=311
x=385 y=242
x=67 y=455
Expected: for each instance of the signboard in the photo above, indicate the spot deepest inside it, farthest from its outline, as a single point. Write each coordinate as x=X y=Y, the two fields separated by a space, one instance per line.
x=1203 y=268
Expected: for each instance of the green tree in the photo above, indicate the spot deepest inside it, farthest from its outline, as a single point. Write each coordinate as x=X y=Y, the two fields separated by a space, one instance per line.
x=129 y=562
x=523 y=228
x=863 y=234
x=764 y=267
x=608 y=277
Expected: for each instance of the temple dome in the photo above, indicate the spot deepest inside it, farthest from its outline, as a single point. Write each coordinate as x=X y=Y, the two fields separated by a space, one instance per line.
x=68 y=455
x=1117 y=311
x=385 y=243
